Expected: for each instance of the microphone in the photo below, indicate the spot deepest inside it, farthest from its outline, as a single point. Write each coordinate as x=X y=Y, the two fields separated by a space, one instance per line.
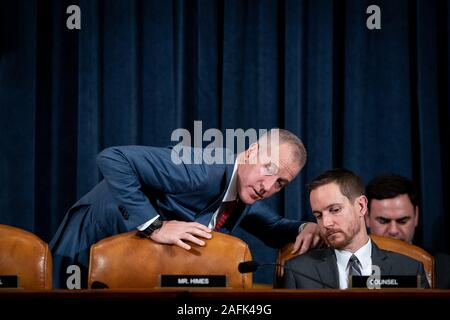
x=99 y=285
x=252 y=266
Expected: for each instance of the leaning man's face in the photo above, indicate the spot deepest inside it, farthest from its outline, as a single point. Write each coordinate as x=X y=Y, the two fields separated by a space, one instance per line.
x=263 y=175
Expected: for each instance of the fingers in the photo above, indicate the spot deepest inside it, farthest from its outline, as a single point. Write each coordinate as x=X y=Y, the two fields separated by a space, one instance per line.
x=297 y=245
x=191 y=238
x=198 y=230
x=302 y=244
x=187 y=237
x=178 y=232
x=181 y=244
x=199 y=226
x=306 y=244
x=199 y=233
x=195 y=229
x=307 y=239
x=317 y=241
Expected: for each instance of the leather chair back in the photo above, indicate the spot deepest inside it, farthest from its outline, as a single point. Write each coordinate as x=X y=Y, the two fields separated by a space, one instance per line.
x=128 y=261
x=25 y=255
x=409 y=250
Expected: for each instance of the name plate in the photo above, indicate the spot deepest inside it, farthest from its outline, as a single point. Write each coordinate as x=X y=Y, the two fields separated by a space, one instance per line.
x=384 y=282
x=219 y=281
x=9 y=281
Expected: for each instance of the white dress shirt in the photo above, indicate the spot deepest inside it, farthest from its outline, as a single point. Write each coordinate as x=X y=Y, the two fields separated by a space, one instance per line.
x=364 y=255
x=230 y=195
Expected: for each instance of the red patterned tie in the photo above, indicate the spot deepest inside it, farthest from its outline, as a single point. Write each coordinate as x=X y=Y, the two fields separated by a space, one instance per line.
x=225 y=211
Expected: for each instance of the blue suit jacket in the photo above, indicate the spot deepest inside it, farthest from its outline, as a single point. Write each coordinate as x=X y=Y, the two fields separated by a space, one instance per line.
x=141 y=182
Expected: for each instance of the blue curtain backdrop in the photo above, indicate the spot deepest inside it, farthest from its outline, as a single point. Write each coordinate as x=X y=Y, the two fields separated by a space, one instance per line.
x=373 y=101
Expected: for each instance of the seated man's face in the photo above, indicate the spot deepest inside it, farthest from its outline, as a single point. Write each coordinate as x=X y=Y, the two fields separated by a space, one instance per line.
x=263 y=175
x=338 y=218
x=395 y=217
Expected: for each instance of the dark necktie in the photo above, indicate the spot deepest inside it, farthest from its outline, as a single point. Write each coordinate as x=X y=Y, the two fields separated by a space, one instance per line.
x=353 y=266
x=225 y=211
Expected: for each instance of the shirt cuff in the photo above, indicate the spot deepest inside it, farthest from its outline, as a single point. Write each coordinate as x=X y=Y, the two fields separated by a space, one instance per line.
x=302 y=226
x=144 y=226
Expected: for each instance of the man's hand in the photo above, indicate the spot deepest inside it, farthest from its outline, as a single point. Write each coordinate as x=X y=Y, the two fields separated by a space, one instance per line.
x=307 y=239
x=176 y=232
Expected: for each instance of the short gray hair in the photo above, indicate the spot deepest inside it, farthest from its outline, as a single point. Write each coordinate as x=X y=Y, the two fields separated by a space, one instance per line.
x=285 y=136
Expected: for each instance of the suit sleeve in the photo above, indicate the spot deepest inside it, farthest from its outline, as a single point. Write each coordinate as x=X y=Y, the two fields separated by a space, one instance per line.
x=288 y=280
x=267 y=225
x=423 y=277
x=127 y=170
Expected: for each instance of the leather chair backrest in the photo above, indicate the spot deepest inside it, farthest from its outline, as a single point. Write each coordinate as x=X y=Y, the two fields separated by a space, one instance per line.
x=409 y=250
x=25 y=255
x=128 y=261
x=384 y=243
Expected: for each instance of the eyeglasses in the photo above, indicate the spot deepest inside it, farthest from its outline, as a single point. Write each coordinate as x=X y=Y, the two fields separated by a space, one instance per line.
x=269 y=169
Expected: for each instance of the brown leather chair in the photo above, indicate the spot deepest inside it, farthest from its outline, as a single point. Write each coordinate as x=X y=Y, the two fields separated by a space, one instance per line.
x=128 y=261
x=409 y=250
x=384 y=243
x=25 y=255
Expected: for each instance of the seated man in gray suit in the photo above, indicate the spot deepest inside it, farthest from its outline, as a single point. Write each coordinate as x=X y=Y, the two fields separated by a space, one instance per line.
x=340 y=206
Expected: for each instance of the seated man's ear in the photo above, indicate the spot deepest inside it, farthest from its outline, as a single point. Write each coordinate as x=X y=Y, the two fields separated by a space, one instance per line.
x=361 y=201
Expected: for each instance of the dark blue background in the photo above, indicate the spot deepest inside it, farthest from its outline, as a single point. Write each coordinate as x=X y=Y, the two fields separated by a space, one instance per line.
x=372 y=101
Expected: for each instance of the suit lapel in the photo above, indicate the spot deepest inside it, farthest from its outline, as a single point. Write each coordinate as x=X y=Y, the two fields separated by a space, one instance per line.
x=380 y=259
x=327 y=269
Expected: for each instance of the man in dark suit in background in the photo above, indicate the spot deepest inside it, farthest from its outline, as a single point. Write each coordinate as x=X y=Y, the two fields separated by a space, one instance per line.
x=394 y=212
x=339 y=205
x=178 y=199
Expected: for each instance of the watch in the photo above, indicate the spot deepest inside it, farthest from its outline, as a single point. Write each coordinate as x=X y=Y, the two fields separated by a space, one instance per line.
x=147 y=232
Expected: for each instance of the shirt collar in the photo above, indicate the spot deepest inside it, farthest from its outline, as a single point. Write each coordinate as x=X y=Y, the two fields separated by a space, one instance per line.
x=231 y=193
x=364 y=255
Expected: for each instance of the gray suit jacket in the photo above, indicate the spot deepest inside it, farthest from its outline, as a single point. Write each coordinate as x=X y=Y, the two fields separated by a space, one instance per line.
x=318 y=268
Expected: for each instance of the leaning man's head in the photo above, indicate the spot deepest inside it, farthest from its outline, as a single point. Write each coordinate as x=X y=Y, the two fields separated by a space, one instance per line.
x=269 y=165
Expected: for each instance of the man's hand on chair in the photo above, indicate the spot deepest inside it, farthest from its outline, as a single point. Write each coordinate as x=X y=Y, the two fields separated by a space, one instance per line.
x=178 y=232
x=307 y=239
